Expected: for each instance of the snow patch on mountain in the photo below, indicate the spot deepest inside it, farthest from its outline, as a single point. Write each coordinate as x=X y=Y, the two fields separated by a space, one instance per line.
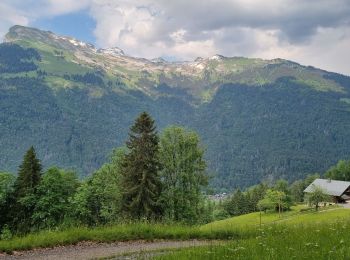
x=217 y=57
x=114 y=51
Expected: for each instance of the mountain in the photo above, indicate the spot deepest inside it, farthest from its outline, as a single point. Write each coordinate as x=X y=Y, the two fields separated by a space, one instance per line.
x=258 y=119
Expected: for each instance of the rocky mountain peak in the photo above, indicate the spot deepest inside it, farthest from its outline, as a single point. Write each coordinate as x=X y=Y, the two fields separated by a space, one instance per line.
x=114 y=51
x=23 y=33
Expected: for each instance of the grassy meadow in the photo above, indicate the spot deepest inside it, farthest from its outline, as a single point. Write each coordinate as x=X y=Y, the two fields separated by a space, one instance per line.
x=296 y=235
x=241 y=234
x=329 y=240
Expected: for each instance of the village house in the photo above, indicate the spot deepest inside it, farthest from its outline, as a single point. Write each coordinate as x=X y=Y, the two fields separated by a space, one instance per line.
x=338 y=190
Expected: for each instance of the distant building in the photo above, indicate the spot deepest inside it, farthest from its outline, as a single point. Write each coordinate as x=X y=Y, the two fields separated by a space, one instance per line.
x=218 y=196
x=339 y=190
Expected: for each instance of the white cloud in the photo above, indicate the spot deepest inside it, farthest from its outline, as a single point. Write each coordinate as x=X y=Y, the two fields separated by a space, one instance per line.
x=10 y=16
x=19 y=12
x=59 y=7
x=328 y=49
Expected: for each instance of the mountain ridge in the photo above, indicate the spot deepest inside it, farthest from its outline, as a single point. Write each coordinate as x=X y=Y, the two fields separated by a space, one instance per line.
x=216 y=69
x=258 y=119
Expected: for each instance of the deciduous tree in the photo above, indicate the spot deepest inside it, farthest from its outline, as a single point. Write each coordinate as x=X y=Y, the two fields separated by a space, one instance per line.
x=183 y=174
x=316 y=196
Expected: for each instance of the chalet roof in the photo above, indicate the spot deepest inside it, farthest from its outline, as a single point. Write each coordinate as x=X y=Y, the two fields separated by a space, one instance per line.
x=330 y=187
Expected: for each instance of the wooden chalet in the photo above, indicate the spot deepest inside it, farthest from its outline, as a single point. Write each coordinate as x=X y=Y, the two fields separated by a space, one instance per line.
x=339 y=190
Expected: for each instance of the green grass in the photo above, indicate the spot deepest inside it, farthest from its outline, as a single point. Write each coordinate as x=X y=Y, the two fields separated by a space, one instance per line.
x=297 y=235
x=318 y=83
x=53 y=64
x=122 y=232
x=241 y=229
x=327 y=240
x=295 y=215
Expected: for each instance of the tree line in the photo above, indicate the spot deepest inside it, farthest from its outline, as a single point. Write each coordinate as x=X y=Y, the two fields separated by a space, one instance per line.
x=277 y=196
x=152 y=178
x=281 y=195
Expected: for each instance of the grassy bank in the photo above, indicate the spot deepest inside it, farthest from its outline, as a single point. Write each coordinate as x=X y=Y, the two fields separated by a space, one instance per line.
x=240 y=228
x=127 y=232
x=285 y=241
x=293 y=216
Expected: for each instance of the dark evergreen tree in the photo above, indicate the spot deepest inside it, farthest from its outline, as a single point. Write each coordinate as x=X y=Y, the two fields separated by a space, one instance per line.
x=140 y=182
x=25 y=187
x=237 y=204
x=6 y=188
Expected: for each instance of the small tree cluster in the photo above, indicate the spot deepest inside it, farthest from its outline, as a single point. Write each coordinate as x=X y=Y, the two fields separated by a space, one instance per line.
x=163 y=177
x=245 y=202
x=152 y=178
x=279 y=197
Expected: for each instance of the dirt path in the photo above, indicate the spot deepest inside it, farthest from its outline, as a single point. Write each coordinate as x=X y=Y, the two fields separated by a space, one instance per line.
x=88 y=250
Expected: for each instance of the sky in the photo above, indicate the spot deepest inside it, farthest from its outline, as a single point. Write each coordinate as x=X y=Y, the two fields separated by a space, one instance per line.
x=311 y=32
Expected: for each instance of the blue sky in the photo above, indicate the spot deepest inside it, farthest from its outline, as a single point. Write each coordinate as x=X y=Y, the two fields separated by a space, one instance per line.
x=79 y=24
x=311 y=32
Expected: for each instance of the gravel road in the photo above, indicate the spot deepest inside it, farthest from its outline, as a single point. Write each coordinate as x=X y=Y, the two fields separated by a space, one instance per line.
x=90 y=250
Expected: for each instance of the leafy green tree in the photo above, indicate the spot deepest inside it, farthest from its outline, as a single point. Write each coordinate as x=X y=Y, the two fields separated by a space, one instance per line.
x=140 y=182
x=98 y=199
x=23 y=199
x=341 y=171
x=296 y=190
x=6 y=185
x=220 y=213
x=6 y=188
x=54 y=194
x=266 y=204
x=254 y=194
x=316 y=196
x=282 y=186
x=81 y=204
x=183 y=174
x=274 y=199
x=310 y=178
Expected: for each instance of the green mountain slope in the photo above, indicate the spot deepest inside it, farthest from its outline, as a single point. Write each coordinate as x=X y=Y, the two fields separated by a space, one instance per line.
x=259 y=119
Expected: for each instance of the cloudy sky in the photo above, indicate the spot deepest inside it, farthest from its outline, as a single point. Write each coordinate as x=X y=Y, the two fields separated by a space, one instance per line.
x=311 y=32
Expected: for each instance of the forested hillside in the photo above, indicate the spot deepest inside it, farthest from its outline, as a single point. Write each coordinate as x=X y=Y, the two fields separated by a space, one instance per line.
x=257 y=119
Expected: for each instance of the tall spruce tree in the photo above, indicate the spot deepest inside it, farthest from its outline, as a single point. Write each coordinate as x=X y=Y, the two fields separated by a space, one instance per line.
x=23 y=197
x=140 y=182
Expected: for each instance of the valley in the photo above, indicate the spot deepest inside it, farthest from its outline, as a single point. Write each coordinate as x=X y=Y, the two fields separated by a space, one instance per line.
x=259 y=120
